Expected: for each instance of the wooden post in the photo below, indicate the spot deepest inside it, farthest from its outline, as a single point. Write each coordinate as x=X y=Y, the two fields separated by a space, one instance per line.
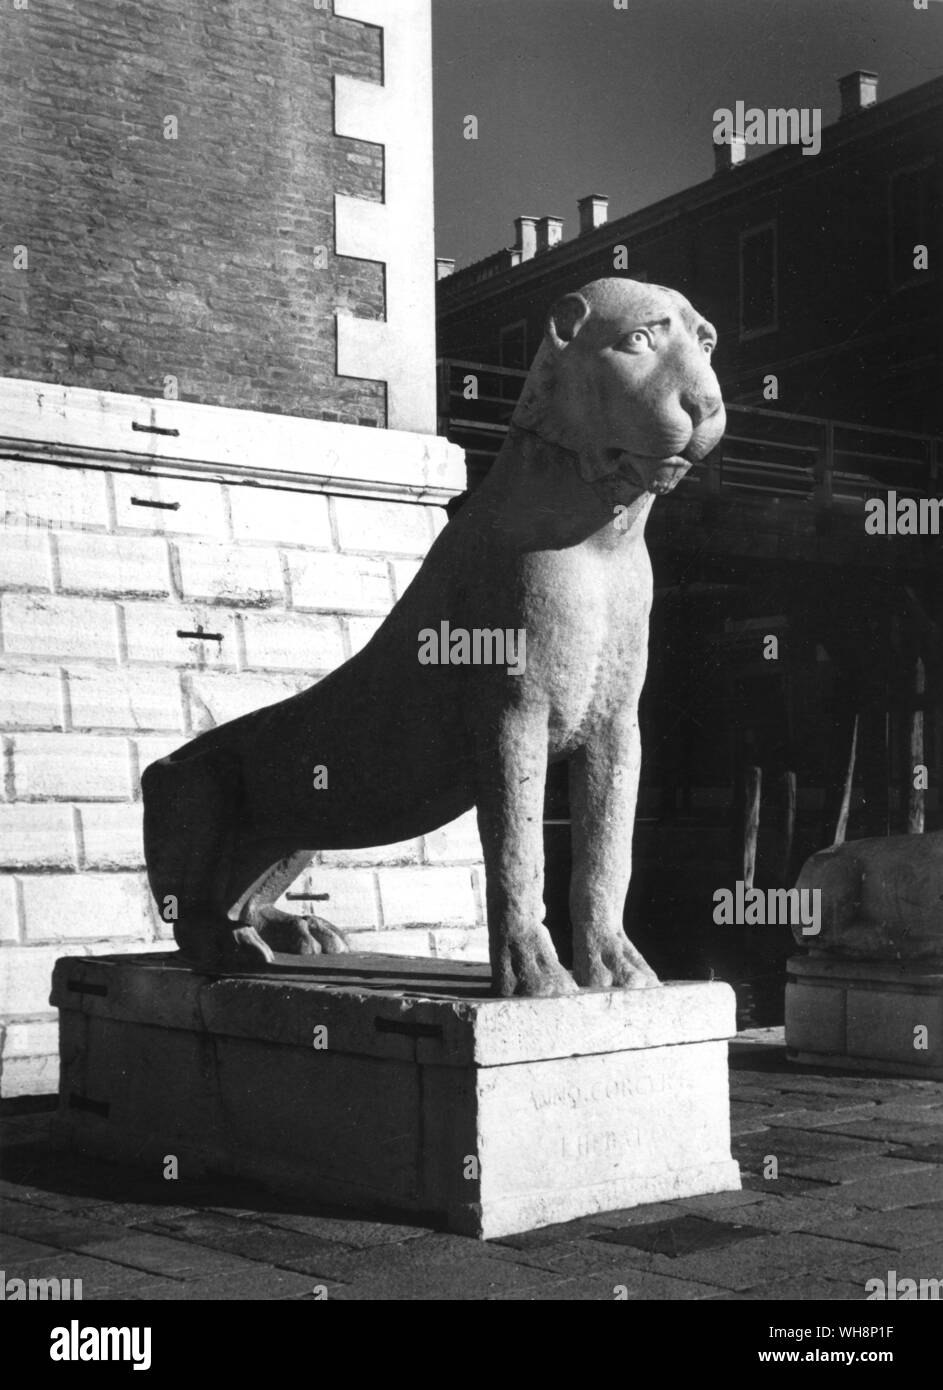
x=916 y=796
x=789 y=825
x=753 y=786
x=841 y=827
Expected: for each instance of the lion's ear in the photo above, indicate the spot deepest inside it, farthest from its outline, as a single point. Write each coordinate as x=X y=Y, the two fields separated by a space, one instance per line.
x=566 y=318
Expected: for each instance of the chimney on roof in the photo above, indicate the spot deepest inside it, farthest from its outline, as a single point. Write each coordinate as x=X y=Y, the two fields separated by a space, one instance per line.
x=549 y=232
x=729 y=153
x=858 y=90
x=594 y=212
x=526 y=229
x=444 y=265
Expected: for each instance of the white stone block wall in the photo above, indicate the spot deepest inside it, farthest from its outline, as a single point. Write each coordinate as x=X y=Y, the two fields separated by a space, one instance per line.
x=95 y=683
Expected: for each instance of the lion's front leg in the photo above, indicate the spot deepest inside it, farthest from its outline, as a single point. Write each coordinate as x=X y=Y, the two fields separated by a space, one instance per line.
x=511 y=773
x=604 y=778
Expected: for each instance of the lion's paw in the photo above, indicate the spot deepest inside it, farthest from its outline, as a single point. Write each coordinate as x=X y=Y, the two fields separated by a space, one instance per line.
x=245 y=950
x=331 y=939
x=531 y=970
x=612 y=963
x=293 y=935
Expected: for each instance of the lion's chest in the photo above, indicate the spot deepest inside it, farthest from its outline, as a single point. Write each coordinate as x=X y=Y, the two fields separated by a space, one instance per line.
x=586 y=616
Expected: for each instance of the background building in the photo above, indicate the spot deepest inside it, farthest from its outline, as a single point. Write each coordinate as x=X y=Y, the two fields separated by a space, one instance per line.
x=218 y=466
x=830 y=360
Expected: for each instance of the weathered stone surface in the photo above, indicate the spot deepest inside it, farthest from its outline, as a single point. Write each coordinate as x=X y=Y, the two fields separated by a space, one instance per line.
x=882 y=899
x=865 y=1016
x=549 y=556
x=423 y=1094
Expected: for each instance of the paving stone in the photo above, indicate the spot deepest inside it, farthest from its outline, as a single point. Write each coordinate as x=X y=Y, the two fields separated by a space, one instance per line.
x=239 y=1210
x=283 y=1249
x=893 y=1190
x=136 y=1214
x=100 y=1278
x=717 y=1201
x=919 y=1153
x=889 y=1131
x=789 y=1102
x=797 y=1213
x=750 y=1262
x=603 y=1288
x=13 y=1191
x=637 y=1216
x=847 y=1084
x=251 y=1233
x=62 y=1229
x=475 y=1277
x=788 y=1165
x=838 y=1171
x=582 y=1257
x=918 y=1110
x=381 y=1263
x=740 y=1127
x=811 y=1118
x=903 y=1229
x=924 y=1262
x=159 y=1255
x=741 y=1110
x=41 y=1198
x=341 y=1230
x=565 y=1233
x=782 y=1186
x=813 y=1143
x=258 y=1282
x=17 y=1250
x=809 y=1290
x=684 y=1234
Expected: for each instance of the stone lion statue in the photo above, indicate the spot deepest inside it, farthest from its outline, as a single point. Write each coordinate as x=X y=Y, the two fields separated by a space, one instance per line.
x=620 y=402
x=881 y=899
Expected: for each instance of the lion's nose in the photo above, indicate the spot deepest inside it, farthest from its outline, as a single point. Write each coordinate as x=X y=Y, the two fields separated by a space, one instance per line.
x=701 y=404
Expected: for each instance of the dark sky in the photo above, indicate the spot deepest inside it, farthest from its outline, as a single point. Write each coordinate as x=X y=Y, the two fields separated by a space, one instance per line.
x=575 y=97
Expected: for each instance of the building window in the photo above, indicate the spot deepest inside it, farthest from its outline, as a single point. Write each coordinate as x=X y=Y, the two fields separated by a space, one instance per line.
x=759 y=297
x=914 y=205
x=512 y=346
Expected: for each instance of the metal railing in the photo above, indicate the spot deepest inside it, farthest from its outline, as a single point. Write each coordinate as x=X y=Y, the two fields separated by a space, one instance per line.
x=833 y=464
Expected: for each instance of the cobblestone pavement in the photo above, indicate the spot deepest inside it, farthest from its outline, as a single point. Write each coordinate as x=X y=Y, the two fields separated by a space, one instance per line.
x=856 y=1191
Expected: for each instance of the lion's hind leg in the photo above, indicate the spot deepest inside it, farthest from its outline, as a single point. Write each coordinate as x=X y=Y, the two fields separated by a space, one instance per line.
x=191 y=822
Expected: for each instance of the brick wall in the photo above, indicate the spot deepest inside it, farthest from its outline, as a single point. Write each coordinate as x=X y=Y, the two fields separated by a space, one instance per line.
x=209 y=258
x=95 y=683
x=275 y=256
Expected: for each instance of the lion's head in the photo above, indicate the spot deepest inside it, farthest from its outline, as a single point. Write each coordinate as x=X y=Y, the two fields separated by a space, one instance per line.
x=624 y=378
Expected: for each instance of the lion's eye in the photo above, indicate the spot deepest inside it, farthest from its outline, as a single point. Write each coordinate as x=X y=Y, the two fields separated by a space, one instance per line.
x=708 y=346
x=638 y=339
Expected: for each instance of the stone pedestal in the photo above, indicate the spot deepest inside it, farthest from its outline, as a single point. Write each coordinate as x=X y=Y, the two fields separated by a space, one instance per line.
x=397 y=1085
x=865 y=1016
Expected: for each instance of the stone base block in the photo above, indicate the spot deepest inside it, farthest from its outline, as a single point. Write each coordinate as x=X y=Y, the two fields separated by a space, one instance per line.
x=399 y=1086
x=865 y=1016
